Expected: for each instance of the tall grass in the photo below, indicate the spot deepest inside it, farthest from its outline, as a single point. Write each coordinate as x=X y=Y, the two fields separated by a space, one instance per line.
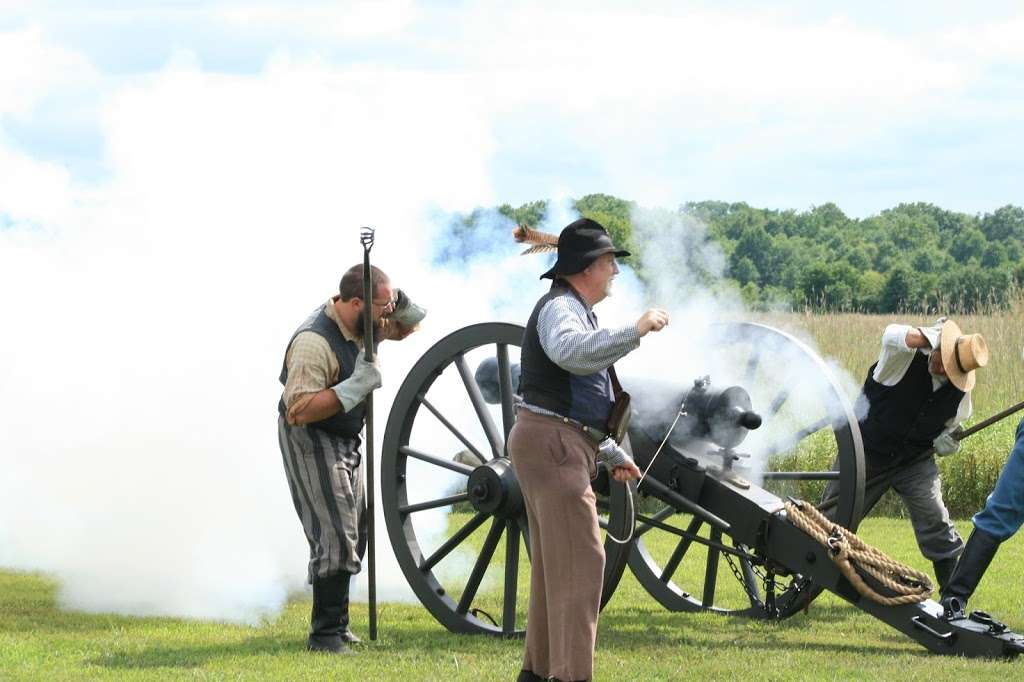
x=853 y=341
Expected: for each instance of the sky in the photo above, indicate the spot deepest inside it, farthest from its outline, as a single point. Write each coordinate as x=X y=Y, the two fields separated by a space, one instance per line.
x=182 y=183
x=865 y=105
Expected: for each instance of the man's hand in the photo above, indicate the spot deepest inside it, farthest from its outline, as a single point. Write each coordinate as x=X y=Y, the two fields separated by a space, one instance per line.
x=406 y=313
x=618 y=461
x=365 y=378
x=945 y=445
x=626 y=472
x=654 y=319
x=393 y=330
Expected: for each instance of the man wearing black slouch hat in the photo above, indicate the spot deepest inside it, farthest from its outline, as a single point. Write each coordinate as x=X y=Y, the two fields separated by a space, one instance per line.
x=561 y=431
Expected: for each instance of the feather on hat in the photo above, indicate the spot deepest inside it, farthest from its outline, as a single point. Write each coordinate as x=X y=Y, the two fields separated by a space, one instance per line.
x=542 y=242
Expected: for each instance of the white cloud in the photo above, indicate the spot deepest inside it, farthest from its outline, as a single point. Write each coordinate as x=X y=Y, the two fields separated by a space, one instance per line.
x=33 y=67
x=331 y=20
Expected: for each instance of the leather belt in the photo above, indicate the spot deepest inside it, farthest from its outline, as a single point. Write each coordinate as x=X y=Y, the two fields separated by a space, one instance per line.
x=597 y=434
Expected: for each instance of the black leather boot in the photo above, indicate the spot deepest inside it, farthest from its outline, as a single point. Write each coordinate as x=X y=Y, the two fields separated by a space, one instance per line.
x=347 y=635
x=529 y=676
x=978 y=553
x=330 y=605
x=943 y=571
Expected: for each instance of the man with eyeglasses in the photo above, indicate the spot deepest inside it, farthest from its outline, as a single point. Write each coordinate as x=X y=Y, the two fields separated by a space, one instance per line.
x=321 y=414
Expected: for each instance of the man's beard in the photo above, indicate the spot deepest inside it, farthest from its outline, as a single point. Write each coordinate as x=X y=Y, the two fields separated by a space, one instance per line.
x=360 y=329
x=608 y=287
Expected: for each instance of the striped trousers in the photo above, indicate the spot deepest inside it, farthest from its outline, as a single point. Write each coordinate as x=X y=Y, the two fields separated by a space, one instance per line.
x=326 y=483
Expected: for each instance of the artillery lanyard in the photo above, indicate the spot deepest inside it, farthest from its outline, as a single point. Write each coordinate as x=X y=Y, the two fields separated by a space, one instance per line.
x=629 y=493
x=849 y=552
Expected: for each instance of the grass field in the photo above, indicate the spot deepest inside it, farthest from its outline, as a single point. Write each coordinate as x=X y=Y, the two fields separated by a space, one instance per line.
x=637 y=639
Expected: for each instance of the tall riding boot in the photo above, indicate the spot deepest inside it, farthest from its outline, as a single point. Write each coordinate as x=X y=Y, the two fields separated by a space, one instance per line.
x=978 y=553
x=330 y=603
x=347 y=635
x=943 y=571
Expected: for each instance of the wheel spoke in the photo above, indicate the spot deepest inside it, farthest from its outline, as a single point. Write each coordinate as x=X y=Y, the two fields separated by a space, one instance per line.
x=657 y=518
x=482 y=562
x=662 y=526
x=680 y=550
x=437 y=461
x=451 y=427
x=750 y=580
x=751 y=369
x=433 y=504
x=454 y=541
x=753 y=589
x=508 y=618
x=508 y=416
x=479 y=406
x=783 y=445
x=711 y=572
x=778 y=402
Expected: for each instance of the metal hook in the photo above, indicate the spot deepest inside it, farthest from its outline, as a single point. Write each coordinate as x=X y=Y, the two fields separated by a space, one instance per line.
x=366 y=238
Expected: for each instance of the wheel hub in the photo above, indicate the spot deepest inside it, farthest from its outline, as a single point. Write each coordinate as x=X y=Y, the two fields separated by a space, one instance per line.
x=494 y=489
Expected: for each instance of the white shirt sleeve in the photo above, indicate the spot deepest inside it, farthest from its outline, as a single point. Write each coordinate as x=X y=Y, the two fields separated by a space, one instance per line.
x=896 y=355
x=574 y=345
x=894 y=361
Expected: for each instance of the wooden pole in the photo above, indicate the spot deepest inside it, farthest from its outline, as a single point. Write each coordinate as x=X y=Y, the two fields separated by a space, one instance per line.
x=958 y=435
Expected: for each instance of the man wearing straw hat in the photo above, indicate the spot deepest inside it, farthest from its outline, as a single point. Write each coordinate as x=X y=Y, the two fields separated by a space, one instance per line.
x=915 y=396
x=561 y=429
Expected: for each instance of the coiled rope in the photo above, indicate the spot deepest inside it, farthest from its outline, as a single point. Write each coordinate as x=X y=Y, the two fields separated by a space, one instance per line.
x=849 y=553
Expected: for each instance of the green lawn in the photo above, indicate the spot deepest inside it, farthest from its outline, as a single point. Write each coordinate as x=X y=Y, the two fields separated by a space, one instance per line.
x=637 y=639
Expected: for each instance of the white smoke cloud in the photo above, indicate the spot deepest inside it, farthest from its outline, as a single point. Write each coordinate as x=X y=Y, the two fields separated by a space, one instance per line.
x=146 y=314
x=145 y=320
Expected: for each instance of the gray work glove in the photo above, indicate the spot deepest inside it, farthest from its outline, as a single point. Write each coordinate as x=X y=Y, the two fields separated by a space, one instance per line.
x=945 y=444
x=609 y=452
x=406 y=312
x=934 y=332
x=352 y=391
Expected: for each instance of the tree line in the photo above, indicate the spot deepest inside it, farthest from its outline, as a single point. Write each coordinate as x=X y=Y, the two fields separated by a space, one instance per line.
x=911 y=258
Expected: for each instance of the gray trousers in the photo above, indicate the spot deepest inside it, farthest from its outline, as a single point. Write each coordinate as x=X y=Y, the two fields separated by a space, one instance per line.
x=920 y=488
x=326 y=483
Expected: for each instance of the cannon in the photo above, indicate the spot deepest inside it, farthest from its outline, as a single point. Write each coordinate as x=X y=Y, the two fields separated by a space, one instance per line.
x=721 y=460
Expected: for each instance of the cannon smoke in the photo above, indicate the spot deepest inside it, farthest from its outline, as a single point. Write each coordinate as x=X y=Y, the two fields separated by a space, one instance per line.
x=146 y=315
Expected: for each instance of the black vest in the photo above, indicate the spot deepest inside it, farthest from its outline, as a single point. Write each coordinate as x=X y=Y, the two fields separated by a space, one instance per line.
x=903 y=420
x=585 y=398
x=343 y=424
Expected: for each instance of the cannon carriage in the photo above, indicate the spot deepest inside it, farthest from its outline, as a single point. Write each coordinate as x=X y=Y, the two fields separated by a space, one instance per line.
x=707 y=529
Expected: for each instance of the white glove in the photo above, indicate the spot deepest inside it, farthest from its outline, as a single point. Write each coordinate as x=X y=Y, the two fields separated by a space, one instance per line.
x=352 y=391
x=406 y=312
x=610 y=453
x=933 y=333
x=945 y=444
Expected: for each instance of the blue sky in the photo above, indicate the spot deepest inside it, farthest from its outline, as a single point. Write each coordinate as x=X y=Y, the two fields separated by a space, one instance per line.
x=867 y=105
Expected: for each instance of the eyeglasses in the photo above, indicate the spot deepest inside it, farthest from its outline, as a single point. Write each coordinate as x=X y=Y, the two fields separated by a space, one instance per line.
x=388 y=305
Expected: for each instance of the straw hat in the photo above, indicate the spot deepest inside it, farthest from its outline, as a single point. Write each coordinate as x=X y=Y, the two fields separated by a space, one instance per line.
x=961 y=355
